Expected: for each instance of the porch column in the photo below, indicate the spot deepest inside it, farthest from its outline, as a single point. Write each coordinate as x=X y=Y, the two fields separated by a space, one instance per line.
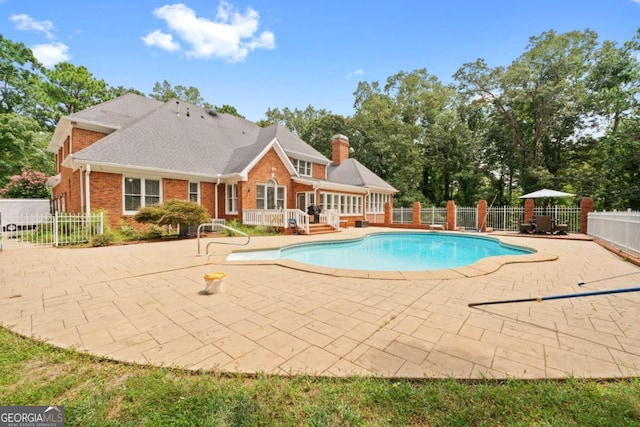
x=482 y=215
x=388 y=214
x=451 y=215
x=417 y=208
x=586 y=206
x=529 y=209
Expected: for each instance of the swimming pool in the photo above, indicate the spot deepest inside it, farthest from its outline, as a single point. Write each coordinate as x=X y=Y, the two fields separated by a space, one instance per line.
x=391 y=252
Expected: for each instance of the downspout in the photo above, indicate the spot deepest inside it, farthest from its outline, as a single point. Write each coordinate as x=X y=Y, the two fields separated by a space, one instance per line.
x=87 y=188
x=365 y=203
x=80 y=178
x=216 y=198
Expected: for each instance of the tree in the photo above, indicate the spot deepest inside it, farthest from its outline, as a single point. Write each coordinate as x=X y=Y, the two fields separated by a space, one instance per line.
x=228 y=109
x=539 y=99
x=22 y=146
x=117 y=91
x=384 y=143
x=27 y=185
x=613 y=95
x=70 y=89
x=165 y=92
x=20 y=73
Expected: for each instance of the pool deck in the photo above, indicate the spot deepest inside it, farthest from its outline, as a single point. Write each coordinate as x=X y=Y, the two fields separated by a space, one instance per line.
x=142 y=303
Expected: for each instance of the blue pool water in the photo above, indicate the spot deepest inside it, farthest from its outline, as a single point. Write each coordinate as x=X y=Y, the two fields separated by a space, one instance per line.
x=391 y=252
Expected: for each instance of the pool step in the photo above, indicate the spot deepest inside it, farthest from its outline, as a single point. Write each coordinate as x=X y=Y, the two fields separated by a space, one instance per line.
x=321 y=229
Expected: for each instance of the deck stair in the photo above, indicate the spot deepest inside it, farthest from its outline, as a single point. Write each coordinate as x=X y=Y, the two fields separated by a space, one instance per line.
x=321 y=229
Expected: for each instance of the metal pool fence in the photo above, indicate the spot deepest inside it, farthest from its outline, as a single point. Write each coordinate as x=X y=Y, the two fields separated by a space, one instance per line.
x=500 y=218
x=49 y=230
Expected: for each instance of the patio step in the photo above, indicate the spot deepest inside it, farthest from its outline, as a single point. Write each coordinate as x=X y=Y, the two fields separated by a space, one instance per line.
x=321 y=229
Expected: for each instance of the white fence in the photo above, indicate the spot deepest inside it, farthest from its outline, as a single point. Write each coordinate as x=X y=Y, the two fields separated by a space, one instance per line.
x=508 y=218
x=49 y=230
x=276 y=218
x=619 y=229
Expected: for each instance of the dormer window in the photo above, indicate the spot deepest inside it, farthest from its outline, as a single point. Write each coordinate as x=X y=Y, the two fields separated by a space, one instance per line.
x=302 y=167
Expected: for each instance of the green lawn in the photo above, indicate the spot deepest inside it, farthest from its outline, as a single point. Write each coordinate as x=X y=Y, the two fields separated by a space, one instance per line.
x=96 y=392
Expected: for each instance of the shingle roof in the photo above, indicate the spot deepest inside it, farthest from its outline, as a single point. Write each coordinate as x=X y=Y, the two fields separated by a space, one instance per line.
x=199 y=142
x=352 y=172
x=117 y=112
x=152 y=135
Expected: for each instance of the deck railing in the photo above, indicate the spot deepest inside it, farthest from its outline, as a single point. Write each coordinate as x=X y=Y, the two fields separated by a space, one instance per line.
x=276 y=218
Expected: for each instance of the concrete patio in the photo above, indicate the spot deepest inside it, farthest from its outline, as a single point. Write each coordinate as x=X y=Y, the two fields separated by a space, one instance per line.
x=141 y=303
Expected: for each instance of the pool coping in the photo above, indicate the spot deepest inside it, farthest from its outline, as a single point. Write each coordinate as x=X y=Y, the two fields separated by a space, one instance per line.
x=480 y=268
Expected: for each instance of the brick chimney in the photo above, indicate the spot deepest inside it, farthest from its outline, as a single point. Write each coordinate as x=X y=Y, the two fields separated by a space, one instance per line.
x=339 y=149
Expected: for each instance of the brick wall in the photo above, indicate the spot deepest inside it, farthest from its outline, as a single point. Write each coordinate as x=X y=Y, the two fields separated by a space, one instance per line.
x=83 y=138
x=106 y=193
x=175 y=189
x=260 y=174
x=318 y=171
x=207 y=197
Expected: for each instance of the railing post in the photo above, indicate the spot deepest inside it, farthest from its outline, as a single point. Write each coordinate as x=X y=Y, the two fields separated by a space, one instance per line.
x=417 y=207
x=55 y=229
x=451 y=215
x=586 y=206
x=482 y=216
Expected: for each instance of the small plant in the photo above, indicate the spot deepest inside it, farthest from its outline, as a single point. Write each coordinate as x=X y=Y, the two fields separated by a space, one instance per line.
x=100 y=240
x=153 y=232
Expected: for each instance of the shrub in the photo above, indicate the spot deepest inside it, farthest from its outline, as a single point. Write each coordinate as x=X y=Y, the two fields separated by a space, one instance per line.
x=28 y=185
x=102 y=240
x=153 y=232
x=172 y=212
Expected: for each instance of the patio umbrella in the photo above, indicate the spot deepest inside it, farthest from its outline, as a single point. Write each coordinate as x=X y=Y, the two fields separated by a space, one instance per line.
x=546 y=194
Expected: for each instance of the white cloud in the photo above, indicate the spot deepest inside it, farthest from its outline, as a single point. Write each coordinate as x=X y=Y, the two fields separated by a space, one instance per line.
x=636 y=1
x=25 y=23
x=51 y=53
x=357 y=72
x=161 y=40
x=232 y=35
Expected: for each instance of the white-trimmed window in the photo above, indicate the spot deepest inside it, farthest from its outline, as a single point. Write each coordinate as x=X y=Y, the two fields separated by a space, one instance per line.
x=344 y=204
x=303 y=167
x=231 y=205
x=270 y=195
x=376 y=202
x=194 y=192
x=140 y=192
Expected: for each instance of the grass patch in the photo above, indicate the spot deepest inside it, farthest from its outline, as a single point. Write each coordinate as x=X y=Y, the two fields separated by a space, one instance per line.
x=103 y=393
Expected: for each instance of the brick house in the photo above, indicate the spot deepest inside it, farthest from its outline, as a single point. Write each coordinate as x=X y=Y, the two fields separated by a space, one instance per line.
x=135 y=151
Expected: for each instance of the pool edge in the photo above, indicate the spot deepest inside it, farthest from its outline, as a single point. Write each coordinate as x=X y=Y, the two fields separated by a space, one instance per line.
x=480 y=268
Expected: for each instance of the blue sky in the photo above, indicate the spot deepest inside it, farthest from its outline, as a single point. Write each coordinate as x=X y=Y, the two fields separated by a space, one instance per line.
x=257 y=54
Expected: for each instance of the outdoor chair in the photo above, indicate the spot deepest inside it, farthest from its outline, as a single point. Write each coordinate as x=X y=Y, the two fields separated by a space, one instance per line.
x=543 y=224
x=561 y=229
x=526 y=227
